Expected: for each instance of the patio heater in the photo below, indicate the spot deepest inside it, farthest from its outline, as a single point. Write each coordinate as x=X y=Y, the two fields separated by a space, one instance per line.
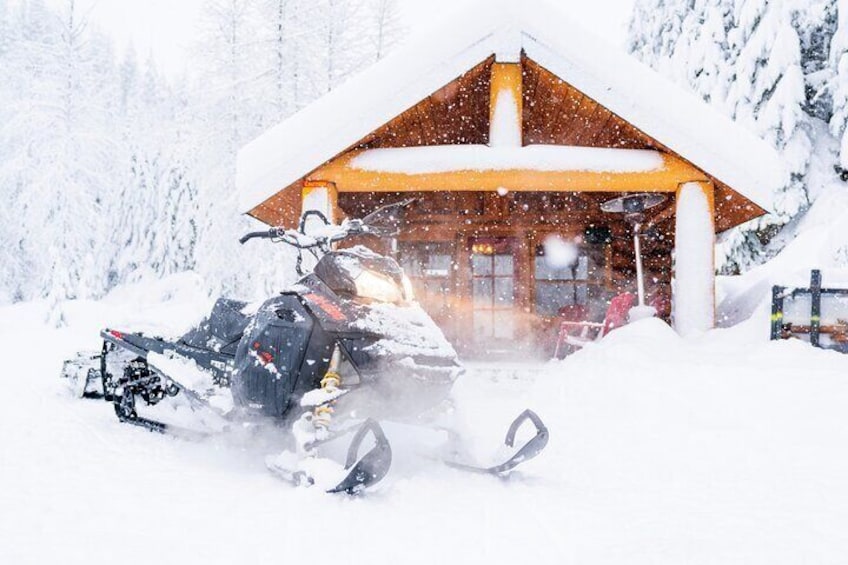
x=633 y=207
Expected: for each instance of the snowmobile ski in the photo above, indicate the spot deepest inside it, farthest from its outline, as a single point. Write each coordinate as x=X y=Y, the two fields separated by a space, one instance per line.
x=372 y=467
x=527 y=452
x=362 y=472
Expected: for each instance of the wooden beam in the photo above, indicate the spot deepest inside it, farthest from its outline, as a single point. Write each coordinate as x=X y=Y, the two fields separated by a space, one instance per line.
x=668 y=178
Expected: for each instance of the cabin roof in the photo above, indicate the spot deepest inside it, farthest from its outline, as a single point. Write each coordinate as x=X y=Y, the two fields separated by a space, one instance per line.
x=434 y=58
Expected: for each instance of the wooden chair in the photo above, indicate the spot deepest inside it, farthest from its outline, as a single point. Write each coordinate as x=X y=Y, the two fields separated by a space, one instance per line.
x=576 y=334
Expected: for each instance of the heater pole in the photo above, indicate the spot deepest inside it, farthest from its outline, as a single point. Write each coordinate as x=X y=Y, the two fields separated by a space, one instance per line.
x=640 y=281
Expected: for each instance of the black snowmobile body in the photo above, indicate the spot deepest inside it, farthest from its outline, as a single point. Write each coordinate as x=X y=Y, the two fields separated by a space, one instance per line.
x=346 y=342
x=271 y=357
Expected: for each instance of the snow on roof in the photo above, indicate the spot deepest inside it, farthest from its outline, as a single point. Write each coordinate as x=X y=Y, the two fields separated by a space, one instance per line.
x=434 y=58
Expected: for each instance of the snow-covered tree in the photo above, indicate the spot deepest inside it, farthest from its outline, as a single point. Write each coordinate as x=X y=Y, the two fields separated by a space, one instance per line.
x=763 y=63
x=817 y=28
x=772 y=95
x=384 y=25
x=60 y=155
x=838 y=82
x=110 y=172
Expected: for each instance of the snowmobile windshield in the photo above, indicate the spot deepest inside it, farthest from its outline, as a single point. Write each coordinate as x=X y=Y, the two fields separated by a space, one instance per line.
x=360 y=273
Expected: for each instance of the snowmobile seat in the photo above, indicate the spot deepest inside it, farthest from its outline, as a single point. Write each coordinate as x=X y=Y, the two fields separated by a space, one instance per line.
x=222 y=329
x=577 y=334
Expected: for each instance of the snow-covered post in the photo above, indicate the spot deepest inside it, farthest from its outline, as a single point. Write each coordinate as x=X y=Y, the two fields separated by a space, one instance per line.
x=505 y=106
x=323 y=197
x=694 y=259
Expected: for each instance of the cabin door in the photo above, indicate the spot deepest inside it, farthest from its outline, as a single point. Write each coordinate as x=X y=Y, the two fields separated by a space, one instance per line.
x=493 y=292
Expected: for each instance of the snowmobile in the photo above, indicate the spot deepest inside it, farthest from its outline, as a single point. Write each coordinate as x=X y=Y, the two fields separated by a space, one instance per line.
x=341 y=350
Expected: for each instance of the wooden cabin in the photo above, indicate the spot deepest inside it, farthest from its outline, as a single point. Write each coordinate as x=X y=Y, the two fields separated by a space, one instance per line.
x=511 y=126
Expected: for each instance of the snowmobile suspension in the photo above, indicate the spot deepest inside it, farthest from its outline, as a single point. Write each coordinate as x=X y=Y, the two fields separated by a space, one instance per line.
x=322 y=414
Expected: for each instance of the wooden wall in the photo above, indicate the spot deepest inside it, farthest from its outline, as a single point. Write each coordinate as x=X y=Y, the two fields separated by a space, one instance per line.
x=528 y=218
x=554 y=112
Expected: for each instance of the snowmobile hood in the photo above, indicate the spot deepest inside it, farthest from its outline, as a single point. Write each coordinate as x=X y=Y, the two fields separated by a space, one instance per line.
x=403 y=331
x=380 y=336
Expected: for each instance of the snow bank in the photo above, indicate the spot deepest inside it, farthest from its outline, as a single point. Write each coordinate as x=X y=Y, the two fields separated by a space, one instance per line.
x=820 y=242
x=663 y=450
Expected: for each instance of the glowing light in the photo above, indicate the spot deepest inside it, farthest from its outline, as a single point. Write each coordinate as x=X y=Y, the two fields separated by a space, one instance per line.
x=483 y=249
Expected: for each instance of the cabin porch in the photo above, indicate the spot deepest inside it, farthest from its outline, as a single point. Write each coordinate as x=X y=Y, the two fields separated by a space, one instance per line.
x=502 y=158
x=498 y=271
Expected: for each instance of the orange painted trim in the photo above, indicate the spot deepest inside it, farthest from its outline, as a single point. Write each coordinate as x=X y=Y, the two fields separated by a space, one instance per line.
x=348 y=179
x=332 y=195
x=507 y=80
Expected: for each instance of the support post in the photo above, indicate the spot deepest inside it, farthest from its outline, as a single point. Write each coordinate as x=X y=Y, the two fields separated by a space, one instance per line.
x=323 y=197
x=506 y=104
x=694 y=258
x=640 y=271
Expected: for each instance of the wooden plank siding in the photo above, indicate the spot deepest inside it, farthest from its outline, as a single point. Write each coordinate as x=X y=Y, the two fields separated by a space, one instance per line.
x=554 y=112
x=457 y=219
x=456 y=208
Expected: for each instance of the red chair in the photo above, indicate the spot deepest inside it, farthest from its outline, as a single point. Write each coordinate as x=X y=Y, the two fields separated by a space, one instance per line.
x=578 y=334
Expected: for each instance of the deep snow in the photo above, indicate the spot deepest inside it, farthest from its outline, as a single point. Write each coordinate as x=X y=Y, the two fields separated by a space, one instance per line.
x=722 y=449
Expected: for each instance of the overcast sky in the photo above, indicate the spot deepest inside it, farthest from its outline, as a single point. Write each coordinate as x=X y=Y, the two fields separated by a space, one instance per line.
x=167 y=27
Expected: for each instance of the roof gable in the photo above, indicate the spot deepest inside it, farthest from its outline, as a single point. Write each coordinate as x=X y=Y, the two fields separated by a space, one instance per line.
x=359 y=110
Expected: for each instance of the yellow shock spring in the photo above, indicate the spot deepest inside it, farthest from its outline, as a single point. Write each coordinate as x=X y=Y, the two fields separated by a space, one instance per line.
x=322 y=415
x=331 y=381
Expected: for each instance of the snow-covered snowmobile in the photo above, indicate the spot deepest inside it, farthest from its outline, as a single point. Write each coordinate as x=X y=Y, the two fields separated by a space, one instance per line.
x=344 y=347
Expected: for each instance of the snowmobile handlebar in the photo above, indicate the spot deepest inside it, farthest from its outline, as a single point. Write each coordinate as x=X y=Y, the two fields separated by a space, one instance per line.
x=348 y=228
x=258 y=235
x=294 y=239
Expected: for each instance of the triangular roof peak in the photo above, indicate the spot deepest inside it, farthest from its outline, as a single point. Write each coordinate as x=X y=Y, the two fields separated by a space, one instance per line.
x=506 y=29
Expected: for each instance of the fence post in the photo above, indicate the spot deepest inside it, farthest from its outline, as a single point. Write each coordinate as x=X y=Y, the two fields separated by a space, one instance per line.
x=776 y=311
x=815 y=307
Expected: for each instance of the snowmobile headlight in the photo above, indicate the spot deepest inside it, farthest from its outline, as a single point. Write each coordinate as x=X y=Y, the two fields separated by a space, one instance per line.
x=377 y=287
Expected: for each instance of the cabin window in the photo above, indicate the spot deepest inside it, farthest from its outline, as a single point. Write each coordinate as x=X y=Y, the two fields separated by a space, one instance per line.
x=493 y=288
x=557 y=287
x=429 y=267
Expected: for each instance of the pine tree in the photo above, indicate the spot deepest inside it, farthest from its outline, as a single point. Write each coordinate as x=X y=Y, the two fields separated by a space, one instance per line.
x=384 y=25
x=772 y=96
x=62 y=154
x=111 y=173
x=838 y=82
x=817 y=28
x=763 y=63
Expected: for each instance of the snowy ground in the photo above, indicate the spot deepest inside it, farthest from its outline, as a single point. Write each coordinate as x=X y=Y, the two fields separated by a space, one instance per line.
x=727 y=449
